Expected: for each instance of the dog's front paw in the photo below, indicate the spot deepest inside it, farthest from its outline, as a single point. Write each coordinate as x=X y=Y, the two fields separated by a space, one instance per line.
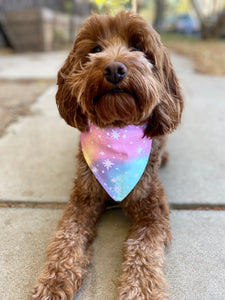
x=141 y=293
x=143 y=276
x=60 y=285
x=130 y=293
x=52 y=290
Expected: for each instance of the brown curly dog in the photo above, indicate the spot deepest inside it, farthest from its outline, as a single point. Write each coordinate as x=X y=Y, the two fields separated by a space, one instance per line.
x=118 y=74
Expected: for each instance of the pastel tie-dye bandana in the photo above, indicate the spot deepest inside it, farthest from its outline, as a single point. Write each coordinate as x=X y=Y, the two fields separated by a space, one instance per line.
x=116 y=156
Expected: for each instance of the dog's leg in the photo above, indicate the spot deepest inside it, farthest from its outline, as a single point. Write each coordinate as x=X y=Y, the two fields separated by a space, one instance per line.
x=68 y=254
x=143 y=276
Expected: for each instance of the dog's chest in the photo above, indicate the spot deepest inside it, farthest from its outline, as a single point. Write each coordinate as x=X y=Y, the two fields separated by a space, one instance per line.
x=116 y=156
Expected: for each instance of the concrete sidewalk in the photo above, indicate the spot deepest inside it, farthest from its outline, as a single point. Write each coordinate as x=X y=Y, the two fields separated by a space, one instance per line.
x=37 y=159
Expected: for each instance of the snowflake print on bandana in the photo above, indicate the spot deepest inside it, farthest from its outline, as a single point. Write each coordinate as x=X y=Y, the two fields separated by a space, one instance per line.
x=108 y=164
x=115 y=134
x=117 y=157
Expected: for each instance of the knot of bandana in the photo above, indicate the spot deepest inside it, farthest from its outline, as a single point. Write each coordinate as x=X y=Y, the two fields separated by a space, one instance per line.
x=116 y=156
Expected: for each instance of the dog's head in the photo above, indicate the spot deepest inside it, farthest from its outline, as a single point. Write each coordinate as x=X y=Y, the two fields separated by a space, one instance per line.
x=118 y=73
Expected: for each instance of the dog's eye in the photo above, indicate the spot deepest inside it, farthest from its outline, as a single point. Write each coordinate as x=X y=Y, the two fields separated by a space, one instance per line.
x=96 y=49
x=135 y=48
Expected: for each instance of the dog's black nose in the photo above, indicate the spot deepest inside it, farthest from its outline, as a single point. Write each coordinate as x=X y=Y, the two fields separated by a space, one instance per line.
x=115 y=72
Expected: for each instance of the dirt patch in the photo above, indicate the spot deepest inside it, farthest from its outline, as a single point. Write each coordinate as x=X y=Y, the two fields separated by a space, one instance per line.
x=16 y=98
x=209 y=55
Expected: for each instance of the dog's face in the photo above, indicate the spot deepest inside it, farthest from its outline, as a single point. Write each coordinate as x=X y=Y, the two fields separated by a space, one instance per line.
x=118 y=73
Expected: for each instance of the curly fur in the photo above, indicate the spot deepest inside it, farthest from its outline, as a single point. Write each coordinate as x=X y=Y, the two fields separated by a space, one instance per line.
x=148 y=94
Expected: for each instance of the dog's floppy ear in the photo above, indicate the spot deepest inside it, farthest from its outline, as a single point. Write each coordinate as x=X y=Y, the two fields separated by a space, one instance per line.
x=167 y=113
x=67 y=104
